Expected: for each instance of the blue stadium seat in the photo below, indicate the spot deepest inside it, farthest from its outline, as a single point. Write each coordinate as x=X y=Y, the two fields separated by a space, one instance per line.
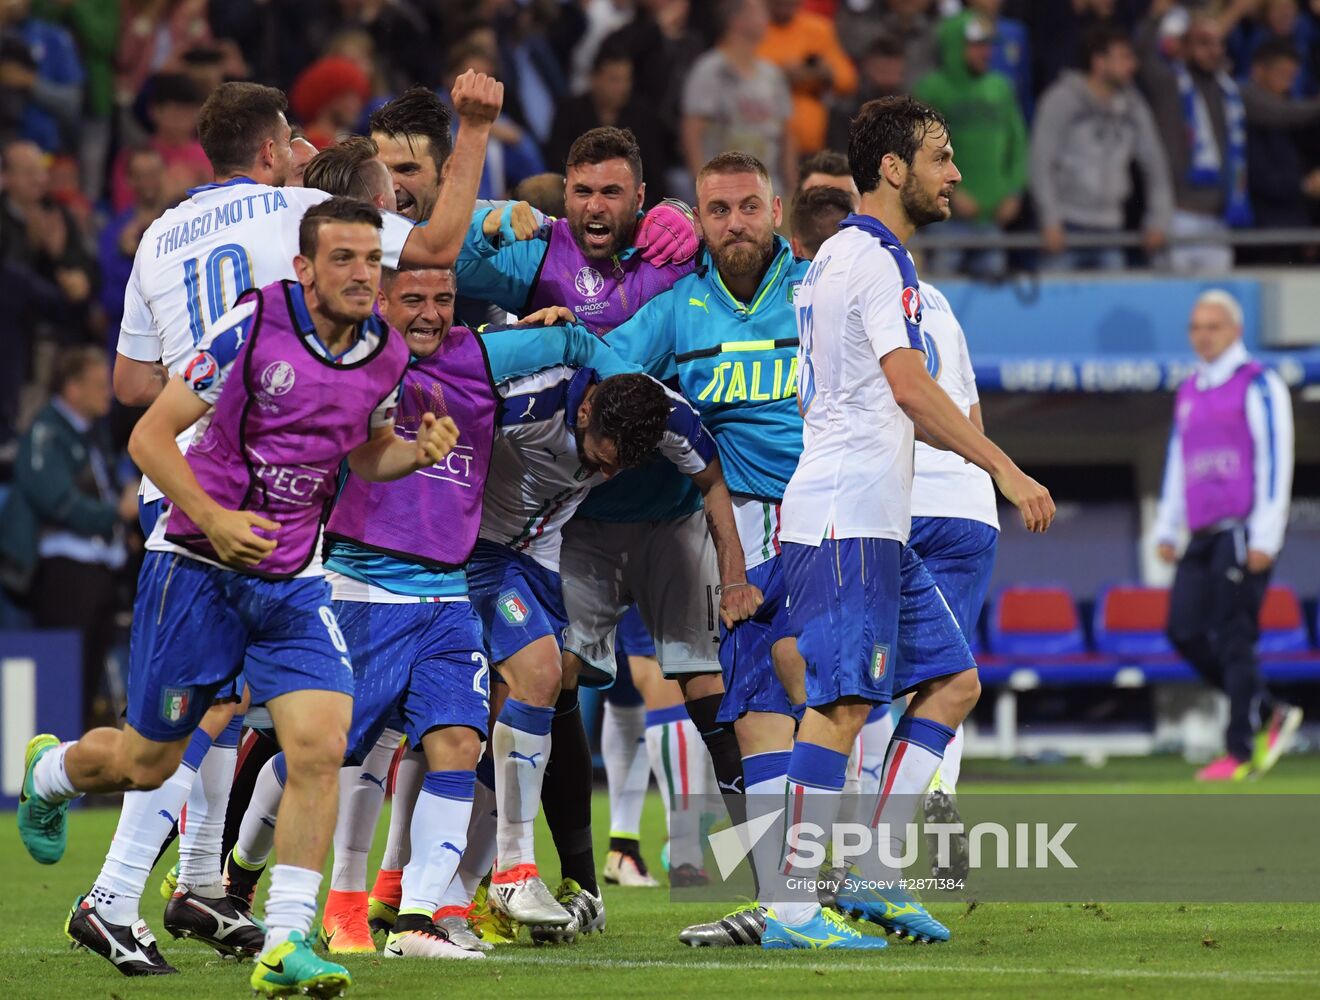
x=1282 y=626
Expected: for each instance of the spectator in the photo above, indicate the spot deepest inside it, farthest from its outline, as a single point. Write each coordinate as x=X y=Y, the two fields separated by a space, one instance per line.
x=52 y=87
x=328 y=98
x=511 y=154
x=207 y=66
x=603 y=18
x=828 y=168
x=817 y=212
x=662 y=46
x=533 y=79
x=1012 y=52
x=1060 y=25
x=40 y=235
x=152 y=34
x=913 y=22
x=173 y=104
x=144 y=175
x=1283 y=190
x=1090 y=128
x=990 y=139
x=608 y=101
x=544 y=192
x=805 y=46
x=95 y=27
x=1199 y=114
x=62 y=530
x=1274 y=21
x=733 y=99
x=883 y=71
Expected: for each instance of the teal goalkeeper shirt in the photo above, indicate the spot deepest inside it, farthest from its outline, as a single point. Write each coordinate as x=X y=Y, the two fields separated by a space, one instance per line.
x=510 y=353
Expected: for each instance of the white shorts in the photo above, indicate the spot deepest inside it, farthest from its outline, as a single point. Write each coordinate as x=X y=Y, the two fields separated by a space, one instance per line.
x=667 y=568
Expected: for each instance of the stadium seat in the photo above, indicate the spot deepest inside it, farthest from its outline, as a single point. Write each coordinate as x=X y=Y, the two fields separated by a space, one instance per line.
x=1035 y=621
x=1130 y=620
x=1282 y=626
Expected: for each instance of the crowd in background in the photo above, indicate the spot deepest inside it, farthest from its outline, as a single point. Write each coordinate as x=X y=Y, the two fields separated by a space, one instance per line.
x=1069 y=118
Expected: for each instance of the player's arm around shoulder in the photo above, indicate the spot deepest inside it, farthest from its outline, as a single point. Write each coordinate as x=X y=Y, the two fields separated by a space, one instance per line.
x=545 y=339
x=649 y=338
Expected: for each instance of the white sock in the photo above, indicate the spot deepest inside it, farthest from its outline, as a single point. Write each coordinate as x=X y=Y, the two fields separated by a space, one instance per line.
x=520 y=746
x=654 y=754
x=812 y=795
x=440 y=822
x=765 y=776
x=408 y=777
x=951 y=767
x=50 y=780
x=683 y=768
x=479 y=855
x=256 y=834
x=913 y=758
x=291 y=903
x=203 y=828
x=875 y=737
x=145 y=819
x=627 y=770
x=361 y=795
x=852 y=808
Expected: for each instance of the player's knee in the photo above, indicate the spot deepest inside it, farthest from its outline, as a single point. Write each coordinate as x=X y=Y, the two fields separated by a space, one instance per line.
x=967 y=690
x=315 y=752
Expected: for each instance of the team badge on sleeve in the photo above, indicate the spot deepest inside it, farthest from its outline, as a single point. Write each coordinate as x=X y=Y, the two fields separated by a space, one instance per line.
x=201 y=372
x=912 y=304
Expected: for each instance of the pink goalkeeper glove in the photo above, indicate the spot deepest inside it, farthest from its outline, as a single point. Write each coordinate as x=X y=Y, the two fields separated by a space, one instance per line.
x=668 y=234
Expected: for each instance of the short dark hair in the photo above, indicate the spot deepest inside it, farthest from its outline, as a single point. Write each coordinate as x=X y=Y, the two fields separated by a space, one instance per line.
x=1097 y=40
x=610 y=54
x=336 y=209
x=734 y=161
x=817 y=213
x=418 y=112
x=173 y=88
x=885 y=47
x=71 y=362
x=631 y=411
x=1274 y=49
x=341 y=169
x=606 y=143
x=234 y=122
x=828 y=161
x=897 y=125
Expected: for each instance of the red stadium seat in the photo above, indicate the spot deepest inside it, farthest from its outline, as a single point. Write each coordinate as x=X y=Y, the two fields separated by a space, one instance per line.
x=1282 y=626
x=1130 y=621
x=1036 y=621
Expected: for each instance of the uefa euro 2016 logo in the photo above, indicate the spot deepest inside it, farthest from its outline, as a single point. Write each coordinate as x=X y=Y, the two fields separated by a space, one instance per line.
x=588 y=282
x=278 y=378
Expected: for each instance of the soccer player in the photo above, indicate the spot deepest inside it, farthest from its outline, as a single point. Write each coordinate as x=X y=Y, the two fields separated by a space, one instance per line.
x=594 y=263
x=401 y=598
x=955 y=530
x=240 y=232
x=847 y=510
x=727 y=333
x=563 y=424
x=236 y=559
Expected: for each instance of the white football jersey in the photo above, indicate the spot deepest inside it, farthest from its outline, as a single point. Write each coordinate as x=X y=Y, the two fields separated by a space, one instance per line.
x=854 y=479
x=537 y=481
x=195 y=259
x=944 y=484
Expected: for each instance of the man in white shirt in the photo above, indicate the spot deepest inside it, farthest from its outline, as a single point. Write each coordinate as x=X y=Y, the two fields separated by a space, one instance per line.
x=1228 y=480
x=847 y=510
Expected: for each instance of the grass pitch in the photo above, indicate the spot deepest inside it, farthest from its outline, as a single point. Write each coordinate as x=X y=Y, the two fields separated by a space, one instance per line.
x=1010 y=950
